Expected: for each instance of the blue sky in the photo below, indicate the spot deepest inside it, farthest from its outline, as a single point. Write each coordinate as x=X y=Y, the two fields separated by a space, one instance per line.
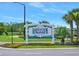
x=36 y=11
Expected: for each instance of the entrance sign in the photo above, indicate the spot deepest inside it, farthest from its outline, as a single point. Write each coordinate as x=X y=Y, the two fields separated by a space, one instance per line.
x=39 y=30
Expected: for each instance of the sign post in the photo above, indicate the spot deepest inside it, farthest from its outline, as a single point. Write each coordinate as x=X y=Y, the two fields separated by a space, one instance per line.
x=53 y=39
x=26 y=33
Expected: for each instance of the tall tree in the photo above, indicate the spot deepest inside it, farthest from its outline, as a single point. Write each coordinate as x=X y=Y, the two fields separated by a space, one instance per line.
x=69 y=19
x=1 y=28
x=75 y=13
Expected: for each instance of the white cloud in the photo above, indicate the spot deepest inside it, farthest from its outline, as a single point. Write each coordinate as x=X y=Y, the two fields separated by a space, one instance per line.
x=12 y=19
x=36 y=4
x=54 y=10
x=51 y=9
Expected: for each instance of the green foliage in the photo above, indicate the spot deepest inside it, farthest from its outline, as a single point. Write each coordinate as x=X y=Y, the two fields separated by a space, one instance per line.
x=61 y=32
x=48 y=46
x=28 y=22
x=73 y=15
x=16 y=28
x=1 y=28
x=20 y=45
x=44 y=21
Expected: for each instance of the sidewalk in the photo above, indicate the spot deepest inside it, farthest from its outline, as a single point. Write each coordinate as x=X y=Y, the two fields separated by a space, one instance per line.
x=3 y=43
x=9 y=42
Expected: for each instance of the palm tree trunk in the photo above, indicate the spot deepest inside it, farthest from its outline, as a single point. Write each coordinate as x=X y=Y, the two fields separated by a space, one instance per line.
x=77 y=33
x=71 y=26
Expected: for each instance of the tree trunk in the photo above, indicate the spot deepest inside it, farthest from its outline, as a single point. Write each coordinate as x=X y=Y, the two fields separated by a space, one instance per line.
x=71 y=26
x=77 y=33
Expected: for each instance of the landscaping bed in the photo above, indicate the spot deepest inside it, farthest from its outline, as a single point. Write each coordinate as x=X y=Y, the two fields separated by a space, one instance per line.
x=9 y=45
x=20 y=45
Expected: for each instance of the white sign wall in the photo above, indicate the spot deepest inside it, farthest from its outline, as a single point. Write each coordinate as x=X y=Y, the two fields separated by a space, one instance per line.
x=39 y=31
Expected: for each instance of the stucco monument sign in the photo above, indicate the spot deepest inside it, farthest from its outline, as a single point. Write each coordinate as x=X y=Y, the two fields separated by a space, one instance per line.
x=39 y=31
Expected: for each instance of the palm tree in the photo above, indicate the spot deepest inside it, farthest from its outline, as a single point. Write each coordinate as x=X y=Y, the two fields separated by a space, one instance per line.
x=69 y=19
x=75 y=13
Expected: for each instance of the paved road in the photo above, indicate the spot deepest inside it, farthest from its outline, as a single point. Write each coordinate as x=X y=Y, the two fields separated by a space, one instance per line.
x=39 y=52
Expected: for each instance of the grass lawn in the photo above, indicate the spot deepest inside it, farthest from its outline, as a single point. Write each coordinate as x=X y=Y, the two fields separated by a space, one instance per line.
x=5 y=38
x=39 y=39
